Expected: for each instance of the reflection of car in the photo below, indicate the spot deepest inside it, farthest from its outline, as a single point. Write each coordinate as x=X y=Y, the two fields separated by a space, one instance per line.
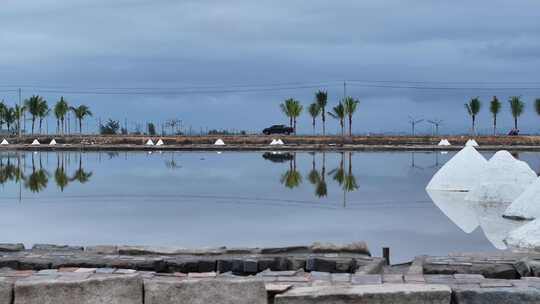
x=278 y=157
x=278 y=129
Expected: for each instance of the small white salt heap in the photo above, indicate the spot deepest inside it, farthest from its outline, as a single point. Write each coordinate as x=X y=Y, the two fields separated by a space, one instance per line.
x=279 y=142
x=273 y=142
x=35 y=142
x=460 y=173
x=526 y=236
x=444 y=142
x=159 y=142
x=149 y=142
x=219 y=142
x=454 y=206
x=527 y=205
x=53 y=142
x=4 y=142
x=503 y=180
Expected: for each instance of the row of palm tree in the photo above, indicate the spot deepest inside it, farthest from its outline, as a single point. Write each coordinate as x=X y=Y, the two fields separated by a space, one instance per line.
x=517 y=107
x=39 y=110
x=346 y=108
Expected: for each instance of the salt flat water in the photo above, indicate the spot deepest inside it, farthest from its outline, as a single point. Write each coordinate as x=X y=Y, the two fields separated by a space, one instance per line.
x=208 y=199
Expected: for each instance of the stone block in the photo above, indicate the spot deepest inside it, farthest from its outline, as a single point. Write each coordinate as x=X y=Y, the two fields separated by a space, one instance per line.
x=250 y=266
x=356 y=247
x=495 y=270
x=56 y=248
x=207 y=265
x=126 y=289
x=366 y=279
x=218 y=291
x=265 y=264
x=490 y=295
x=285 y=250
x=320 y=264
x=102 y=249
x=6 y=291
x=11 y=247
x=387 y=293
x=296 y=263
x=223 y=266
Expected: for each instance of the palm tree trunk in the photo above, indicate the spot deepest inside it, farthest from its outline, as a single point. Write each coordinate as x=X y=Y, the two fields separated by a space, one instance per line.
x=473 y=121
x=323 y=123
x=350 y=125
x=342 y=127
x=40 y=121
x=80 y=125
x=494 y=124
x=291 y=121
x=33 y=121
x=515 y=122
x=313 y=123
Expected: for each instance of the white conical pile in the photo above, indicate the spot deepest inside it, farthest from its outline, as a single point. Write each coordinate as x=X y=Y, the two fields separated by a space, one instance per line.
x=4 y=142
x=527 y=205
x=495 y=227
x=279 y=142
x=273 y=142
x=525 y=237
x=471 y=143
x=460 y=173
x=456 y=208
x=219 y=142
x=503 y=180
x=53 y=142
x=149 y=142
x=35 y=142
x=159 y=142
x=444 y=142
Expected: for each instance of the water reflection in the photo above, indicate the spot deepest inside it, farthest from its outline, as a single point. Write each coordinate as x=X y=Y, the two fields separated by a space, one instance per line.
x=36 y=179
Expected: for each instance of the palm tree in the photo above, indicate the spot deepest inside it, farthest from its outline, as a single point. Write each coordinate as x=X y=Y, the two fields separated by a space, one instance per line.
x=81 y=112
x=537 y=105
x=350 y=105
x=286 y=108
x=61 y=108
x=321 y=98
x=314 y=110
x=10 y=117
x=338 y=112
x=473 y=107
x=495 y=108
x=516 y=106
x=19 y=113
x=43 y=112
x=33 y=105
x=3 y=110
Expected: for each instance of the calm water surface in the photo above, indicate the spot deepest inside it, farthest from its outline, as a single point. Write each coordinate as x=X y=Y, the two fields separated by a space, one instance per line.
x=200 y=199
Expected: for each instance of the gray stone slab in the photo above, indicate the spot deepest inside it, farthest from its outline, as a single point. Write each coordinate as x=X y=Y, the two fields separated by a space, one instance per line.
x=392 y=278
x=320 y=276
x=6 y=291
x=218 y=291
x=373 y=267
x=507 y=295
x=56 y=248
x=341 y=277
x=366 y=279
x=127 y=289
x=11 y=247
x=367 y=294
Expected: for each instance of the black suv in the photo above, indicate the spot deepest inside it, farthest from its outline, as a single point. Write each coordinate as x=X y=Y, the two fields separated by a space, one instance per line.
x=278 y=129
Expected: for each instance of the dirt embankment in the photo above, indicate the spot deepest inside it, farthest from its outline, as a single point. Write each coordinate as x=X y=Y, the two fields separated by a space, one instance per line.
x=289 y=140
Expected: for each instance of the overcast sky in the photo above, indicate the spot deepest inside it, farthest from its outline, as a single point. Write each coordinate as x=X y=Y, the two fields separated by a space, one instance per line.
x=198 y=49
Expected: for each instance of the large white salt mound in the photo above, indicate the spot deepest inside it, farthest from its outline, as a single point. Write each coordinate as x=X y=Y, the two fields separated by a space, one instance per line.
x=4 y=142
x=159 y=142
x=35 y=142
x=495 y=227
x=527 y=205
x=525 y=237
x=456 y=208
x=460 y=173
x=149 y=142
x=503 y=180
x=53 y=142
x=219 y=142
x=471 y=143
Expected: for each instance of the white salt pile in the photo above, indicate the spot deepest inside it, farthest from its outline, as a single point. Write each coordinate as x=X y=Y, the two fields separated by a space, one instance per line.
x=471 y=143
x=35 y=142
x=149 y=142
x=527 y=205
x=273 y=142
x=53 y=142
x=526 y=236
x=159 y=142
x=495 y=227
x=279 y=142
x=460 y=173
x=219 y=142
x=444 y=142
x=456 y=208
x=4 y=142
x=502 y=181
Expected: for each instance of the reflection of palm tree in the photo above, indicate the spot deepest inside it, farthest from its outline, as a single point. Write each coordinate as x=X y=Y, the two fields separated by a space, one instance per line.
x=60 y=176
x=80 y=175
x=322 y=189
x=38 y=180
x=292 y=178
x=350 y=184
x=314 y=176
x=338 y=174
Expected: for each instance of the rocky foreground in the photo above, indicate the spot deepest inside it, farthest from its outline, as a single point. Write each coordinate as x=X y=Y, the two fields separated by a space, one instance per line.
x=321 y=273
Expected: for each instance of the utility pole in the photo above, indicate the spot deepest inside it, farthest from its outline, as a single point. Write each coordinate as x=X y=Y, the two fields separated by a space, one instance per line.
x=344 y=89
x=436 y=123
x=20 y=110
